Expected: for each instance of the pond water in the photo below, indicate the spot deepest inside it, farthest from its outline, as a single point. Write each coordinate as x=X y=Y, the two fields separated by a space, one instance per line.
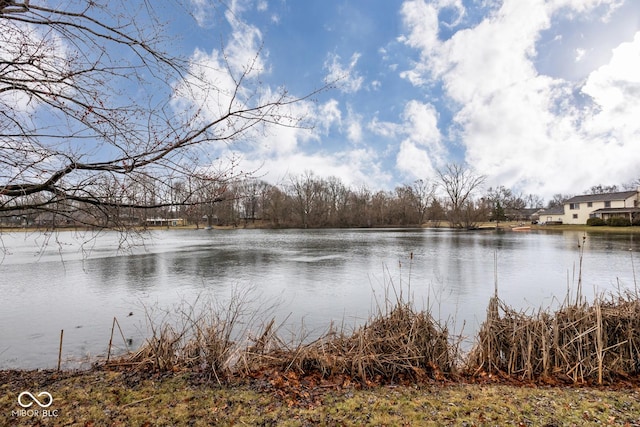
x=305 y=278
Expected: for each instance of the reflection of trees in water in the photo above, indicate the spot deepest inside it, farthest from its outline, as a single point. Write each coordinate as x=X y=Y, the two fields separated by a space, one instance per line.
x=138 y=272
x=143 y=270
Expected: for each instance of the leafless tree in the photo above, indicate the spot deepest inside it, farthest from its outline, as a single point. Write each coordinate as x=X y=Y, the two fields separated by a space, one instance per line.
x=425 y=191
x=304 y=191
x=534 y=201
x=91 y=119
x=460 y=183
x=558 y=199
x=633 y=185
x=406 y=206
x=603 y=189
x=503 y=203
x=277 y=207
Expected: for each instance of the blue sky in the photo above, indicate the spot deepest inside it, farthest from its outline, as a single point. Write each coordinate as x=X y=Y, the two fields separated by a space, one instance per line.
x=541 y=96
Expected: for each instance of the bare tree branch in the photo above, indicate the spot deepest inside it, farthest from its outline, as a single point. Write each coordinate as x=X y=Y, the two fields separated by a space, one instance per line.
x=90 y=124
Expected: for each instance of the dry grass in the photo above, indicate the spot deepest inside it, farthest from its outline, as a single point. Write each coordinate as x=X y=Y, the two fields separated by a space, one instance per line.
x=580 y=342
x=401 y=343
x=106 y=398
x=397 y=342
x=206 y=336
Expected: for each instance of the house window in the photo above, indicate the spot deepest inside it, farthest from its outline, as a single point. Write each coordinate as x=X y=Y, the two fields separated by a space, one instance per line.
x=575 y=216
x=574 y=206
x=589 y=204
x=607 y=204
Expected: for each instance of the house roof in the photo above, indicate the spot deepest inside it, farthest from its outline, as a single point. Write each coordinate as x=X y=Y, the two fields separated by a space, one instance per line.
x=528 y=211
x=616 y=210
x=605 y=197
x=554 y=210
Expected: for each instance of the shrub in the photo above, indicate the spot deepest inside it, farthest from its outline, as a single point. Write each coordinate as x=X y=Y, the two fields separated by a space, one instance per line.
x=618 y=222
x=595 y=222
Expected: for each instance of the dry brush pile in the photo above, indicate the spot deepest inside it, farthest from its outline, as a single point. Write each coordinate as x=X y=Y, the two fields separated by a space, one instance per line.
x=401 y=343
x=580 y=342
x=398 y=343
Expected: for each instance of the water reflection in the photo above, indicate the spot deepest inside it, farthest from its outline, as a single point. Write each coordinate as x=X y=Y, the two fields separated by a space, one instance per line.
x=316 y=275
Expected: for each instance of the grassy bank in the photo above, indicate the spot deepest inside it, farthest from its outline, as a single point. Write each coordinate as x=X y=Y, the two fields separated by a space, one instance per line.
x=590 y=229
x=108 y=398
x=400 y=368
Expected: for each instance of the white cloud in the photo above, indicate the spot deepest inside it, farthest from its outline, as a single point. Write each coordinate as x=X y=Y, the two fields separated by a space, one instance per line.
x=203 y=12
x=615 y=87
x=244 y=47
x=276 y=152
x=576 y=7
x=284 y=151
x=211 y=88
x=422 y=19
x=414 y=161
x=354 y=126
x=522 y=129
x=354 y=168
x=346 y=78
x=388 y=130
x=213 y=98
x=329 y=115
x=421 y=122
x=421 y=152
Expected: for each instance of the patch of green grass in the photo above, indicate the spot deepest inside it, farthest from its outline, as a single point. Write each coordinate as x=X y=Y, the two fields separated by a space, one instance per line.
x=103 y=398
x=590 y=229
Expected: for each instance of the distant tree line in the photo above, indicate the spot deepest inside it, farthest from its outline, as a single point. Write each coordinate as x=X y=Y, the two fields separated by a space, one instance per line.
x=455 y=198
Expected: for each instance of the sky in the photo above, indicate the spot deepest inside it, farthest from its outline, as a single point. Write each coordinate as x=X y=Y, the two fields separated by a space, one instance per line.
x=540 y=96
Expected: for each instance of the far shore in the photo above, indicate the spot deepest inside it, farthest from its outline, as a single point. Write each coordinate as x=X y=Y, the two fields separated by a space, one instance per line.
x=441 y=225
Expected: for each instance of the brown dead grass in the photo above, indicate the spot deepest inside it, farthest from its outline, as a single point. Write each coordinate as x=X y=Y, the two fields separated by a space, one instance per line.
x=579 y=343
x=397 y=343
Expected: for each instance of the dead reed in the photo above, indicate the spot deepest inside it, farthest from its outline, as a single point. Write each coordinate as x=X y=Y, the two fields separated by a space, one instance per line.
x=206 y=336
x=580 y=342
x=398 y=342
x=401 y=343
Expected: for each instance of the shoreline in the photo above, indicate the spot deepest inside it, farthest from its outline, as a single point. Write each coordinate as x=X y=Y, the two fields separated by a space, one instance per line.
x=486 y=226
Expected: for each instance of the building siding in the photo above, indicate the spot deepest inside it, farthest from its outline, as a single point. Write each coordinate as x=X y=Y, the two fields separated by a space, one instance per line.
x=578 y=210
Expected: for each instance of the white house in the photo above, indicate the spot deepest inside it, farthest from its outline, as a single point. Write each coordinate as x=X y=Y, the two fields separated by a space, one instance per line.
x=578 y=209
x=553 y=215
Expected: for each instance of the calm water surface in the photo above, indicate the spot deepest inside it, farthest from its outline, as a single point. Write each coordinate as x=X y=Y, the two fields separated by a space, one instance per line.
x=71 y=282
